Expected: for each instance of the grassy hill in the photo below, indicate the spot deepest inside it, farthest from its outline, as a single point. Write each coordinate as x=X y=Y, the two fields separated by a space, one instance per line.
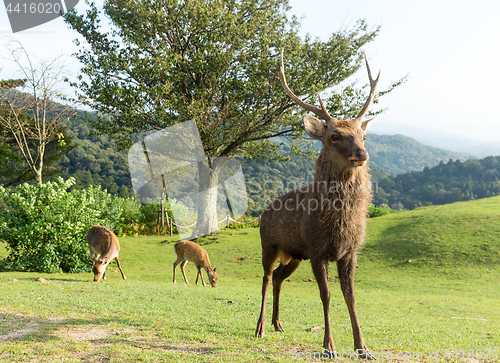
x=453 y=235
x=445 y=300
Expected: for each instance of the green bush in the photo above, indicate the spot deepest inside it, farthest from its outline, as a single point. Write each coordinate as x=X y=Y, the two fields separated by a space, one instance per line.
x=131 y=209
x=149 y=213
x=44 y=225
x=374 y=211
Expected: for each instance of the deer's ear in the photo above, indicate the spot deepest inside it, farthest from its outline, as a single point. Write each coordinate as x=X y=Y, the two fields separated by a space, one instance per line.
x=314 y=127
x=366 y=124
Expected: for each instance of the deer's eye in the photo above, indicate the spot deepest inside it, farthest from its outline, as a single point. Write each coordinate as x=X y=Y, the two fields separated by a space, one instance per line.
x=364 y=138
x=335 y=137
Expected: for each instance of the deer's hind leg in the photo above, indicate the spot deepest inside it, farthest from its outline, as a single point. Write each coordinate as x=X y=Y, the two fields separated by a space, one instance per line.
x=269 y=258
x=118 y=263
x=279 y=275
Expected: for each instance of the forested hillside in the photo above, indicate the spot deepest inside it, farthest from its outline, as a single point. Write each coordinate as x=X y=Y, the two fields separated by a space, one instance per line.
x=445 y=183
x=396 y=154
x=96 y=161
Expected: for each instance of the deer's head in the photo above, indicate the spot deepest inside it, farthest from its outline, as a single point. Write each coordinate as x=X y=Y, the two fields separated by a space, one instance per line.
x=212 y=277
x=99 y=268
x=343 y=140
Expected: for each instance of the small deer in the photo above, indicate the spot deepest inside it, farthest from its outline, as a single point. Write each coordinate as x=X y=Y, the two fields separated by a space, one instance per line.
x=104 y=246
x=188 y=251
x=324 y=221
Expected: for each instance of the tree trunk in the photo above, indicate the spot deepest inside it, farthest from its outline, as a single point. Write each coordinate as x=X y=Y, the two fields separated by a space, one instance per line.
x=207 y=200
x=38 y=173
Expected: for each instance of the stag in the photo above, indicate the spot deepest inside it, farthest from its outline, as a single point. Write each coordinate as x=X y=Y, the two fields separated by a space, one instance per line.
x=324 y=221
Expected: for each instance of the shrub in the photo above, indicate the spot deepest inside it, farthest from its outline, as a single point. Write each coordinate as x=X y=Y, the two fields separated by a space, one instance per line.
x=131 y=209
x=44 y=225
x=374 y=211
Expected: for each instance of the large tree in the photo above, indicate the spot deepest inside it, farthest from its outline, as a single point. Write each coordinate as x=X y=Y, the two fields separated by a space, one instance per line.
x=215 y=62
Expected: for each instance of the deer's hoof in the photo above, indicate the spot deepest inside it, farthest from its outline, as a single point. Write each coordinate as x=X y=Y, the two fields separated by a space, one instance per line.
x=278 y=327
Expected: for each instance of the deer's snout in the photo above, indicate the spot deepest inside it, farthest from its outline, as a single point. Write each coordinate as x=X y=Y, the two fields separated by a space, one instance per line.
x=362 y=155
x=359 y=158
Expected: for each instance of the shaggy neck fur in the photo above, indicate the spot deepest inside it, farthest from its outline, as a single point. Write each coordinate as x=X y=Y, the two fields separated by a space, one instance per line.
x=344 y=194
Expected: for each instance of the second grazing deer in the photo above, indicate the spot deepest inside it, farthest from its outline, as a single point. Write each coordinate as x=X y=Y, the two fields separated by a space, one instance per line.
x=324 y=221
x=188 y=251
x=104 y=246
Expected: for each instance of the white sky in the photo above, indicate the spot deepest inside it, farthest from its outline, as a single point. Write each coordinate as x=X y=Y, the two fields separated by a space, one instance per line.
x=450 y=50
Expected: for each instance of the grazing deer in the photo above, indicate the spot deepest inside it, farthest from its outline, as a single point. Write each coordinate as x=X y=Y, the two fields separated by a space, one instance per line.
x=188 y=251
x=103 y=246
x=324 y=221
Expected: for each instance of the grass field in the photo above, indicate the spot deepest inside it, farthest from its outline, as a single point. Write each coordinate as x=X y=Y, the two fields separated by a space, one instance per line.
x=445 y=303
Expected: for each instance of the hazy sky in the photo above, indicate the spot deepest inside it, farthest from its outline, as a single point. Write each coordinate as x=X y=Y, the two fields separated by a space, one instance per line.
x=449 y=49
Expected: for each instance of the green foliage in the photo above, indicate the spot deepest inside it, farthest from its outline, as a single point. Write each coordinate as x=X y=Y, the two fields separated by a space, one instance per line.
x=374 y=211
x=95 y=160
x=131 y=209
x=44 y=225
x=445 y=183
x=149 y=213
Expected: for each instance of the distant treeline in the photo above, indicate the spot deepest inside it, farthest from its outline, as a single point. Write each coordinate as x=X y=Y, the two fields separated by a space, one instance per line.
x=445 y=183
x=96 y=161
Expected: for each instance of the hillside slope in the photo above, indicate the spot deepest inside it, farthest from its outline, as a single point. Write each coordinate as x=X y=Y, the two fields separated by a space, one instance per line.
x=458 y=234
x=396 y=154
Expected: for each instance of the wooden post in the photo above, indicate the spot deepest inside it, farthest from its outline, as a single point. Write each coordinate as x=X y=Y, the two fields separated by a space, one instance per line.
x=171 y=227
x=162 y=211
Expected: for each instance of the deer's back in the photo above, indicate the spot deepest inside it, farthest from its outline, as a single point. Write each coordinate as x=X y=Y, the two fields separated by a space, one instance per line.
x=101 y=240
x=192 y=252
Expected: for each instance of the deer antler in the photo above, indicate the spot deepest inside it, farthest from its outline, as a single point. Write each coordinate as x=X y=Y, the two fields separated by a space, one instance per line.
x=373 y=86
x=321 y=112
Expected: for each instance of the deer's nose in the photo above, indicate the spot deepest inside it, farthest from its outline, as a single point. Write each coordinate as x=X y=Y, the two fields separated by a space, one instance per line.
x=362 y=155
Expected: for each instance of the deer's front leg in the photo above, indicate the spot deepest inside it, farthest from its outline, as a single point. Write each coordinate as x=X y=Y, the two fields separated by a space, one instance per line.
x=346 y=269
x=268 y=262
x=200 y=275
x=320 y=270
x=183 y=264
